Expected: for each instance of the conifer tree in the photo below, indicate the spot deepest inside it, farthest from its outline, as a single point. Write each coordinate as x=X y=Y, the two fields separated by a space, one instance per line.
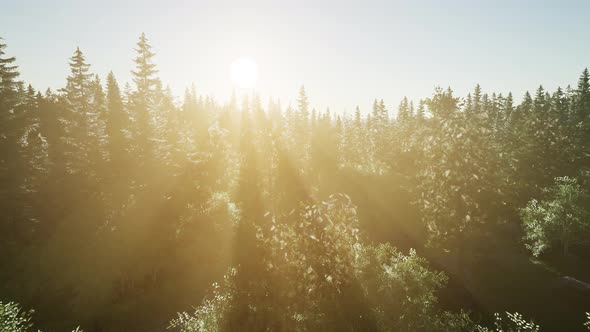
x=582 y=97
x=8 y=82
x=97 y=121
x=581 y=116
x=303 y=107
x=560 y=106
x=11 y=158
x=116 y=124
x=403 y=112
x=77 y=97
x=302 y=126
x=420 y=112
x=477 y=99
x=142 y=99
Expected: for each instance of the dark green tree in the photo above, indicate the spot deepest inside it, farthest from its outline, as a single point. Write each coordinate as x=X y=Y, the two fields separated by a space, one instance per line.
x=142 y=100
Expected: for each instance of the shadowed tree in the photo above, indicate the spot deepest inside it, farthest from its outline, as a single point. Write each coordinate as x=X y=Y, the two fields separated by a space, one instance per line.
x=77 y=118
x=142 y=101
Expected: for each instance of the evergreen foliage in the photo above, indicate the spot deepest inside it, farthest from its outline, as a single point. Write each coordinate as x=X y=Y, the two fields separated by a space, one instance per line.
x=121 y=205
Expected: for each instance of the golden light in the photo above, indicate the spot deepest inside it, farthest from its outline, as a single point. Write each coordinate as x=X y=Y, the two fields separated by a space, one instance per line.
x=244 y=73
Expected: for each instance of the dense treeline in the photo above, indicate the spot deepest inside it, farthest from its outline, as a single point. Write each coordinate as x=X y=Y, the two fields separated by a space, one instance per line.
x=121 y=205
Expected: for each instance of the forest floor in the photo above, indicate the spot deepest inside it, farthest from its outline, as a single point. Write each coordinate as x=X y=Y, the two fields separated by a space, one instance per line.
x=510 y=280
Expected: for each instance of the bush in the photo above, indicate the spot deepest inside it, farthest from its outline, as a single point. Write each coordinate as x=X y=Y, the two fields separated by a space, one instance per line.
x=14 y=319
x=559 y=218
x=514 y=323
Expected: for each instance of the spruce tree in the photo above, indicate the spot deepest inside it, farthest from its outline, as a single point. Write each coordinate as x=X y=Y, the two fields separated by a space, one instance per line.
x=77 y=97
x=582 y=98
x=403 y=112
x=8 y=82
x=477 y=98
x=421 y=111
x=97 y=117
x=302 y=127
x=303 y=106
x=142 y=100
x=581 y=117
x=117 y=121
x=11 y=158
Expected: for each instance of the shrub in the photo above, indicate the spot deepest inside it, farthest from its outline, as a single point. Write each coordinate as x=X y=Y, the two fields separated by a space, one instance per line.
x=14 y=319
x=559 y=218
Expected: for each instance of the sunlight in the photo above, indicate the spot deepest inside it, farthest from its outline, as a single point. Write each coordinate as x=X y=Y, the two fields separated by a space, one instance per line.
x=244 y=73
x=294 y=166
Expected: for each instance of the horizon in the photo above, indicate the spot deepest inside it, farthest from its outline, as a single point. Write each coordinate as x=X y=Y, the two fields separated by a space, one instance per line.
x=339 y=63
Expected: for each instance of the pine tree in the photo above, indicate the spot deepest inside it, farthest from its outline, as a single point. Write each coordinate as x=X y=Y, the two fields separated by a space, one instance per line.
x=581 y=115
x=380 y=134
x=421 y=111
x=77 y=97
x=117 y=121
x=582 y=97
x=477 y=98
x=303 y=106
x=142 y=99
x=560 y=106
x=8 y=83
x=354 y=139
x=302 y=127
x=509 y=106
x=97 y=117
x=53 y=130
x=540 y=103
x=403 y=113
x=11 y=154
x=468 y=106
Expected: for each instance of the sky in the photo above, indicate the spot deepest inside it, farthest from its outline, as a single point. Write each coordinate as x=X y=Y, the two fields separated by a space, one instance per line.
x=346 y=53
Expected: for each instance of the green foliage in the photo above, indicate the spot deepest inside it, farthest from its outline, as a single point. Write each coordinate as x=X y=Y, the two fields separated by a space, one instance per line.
x=458 y=184
x=561 y=217
x=514 y=322
x=317 y=275
x=14 y=319
x=389 y=276
x=210 y=314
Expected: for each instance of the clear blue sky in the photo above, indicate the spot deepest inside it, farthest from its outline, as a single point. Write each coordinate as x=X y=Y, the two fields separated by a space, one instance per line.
x=346 y=53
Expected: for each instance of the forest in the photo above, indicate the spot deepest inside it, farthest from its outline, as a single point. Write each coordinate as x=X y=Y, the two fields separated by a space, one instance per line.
x=126 y=208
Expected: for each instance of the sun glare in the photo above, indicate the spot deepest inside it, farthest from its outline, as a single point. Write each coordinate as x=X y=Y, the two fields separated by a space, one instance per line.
x=244 y=73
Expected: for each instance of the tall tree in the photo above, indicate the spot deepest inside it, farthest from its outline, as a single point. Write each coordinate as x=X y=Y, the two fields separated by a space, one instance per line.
x=97 y=117
x=302 y=126
x=117 y=121
x=11 y=158
x=582 y=97
x=142 y=99
x=581 y=116
x=77 y=97
x=456 y=180
x=8 y=81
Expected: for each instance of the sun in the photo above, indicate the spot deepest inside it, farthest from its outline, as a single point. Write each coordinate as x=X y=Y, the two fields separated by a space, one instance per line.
x=244 y=73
